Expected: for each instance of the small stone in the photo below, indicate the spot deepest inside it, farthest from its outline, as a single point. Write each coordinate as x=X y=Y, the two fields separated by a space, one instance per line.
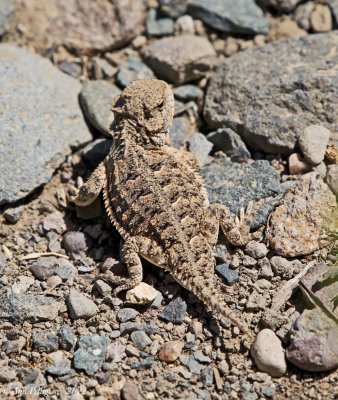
x=180 y=59
x=141 y=294
x=283 y=28
x=70 y=68
x=297 y=164
x=66 y=338
x=127 y=327
x=313 y=143
x=45 y=341
x=314 y=339
x=131 y=70
x=127 y=314
x=201 y=147
x=321 y=18
x=207 y=376
x=179 y=131
x=256 y=249
x=202 y=358
x=13 y=346
x=132 y=351
x=76 y=242
x=158 y=26
x=44 y=267
x=302 y=15
x=147 y=363
x=173 y=8
x=116 y=351
x=95 y=99
x=268 y=353
x=175 y=311
x=140 y=339
x=256 y=302
x=59 y=368
x=193 y=366
x=171 y=351
x=97 y=151
x=65 y=269
x=22 y=284
x=158 y=300
x=55 y=222
x=103 y=288
x=13 y=214
x=27 y=375
x=111 y=392
x=185 y=25
x=187 y=92
x=230 y=275
x=2 y=262
x=91 y=353
x=130 y=391
x=281 y=267
x=226 y=140
x=268 y=391
x=332 y=178
x=80 y=306
x=108 y=71
x=7 y=374
x=139 y=42
x=234 y=16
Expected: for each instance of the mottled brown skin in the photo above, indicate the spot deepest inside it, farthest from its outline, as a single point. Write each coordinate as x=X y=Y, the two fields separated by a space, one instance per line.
x=157 y=201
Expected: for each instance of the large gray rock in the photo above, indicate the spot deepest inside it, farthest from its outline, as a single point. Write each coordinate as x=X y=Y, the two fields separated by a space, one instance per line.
x=234 y=185
x=314 y=342
x=301 y=223
x=234 y=16
x=94 y=25
x=20 y=307
x=269 y=94
x=180 y=59
x=40 y=121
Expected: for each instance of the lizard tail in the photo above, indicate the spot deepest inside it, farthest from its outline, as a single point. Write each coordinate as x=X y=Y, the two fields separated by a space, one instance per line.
x=215 y=302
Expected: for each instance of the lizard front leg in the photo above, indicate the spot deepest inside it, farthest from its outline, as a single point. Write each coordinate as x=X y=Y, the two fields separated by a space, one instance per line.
x=93 y=186
x=237 y=230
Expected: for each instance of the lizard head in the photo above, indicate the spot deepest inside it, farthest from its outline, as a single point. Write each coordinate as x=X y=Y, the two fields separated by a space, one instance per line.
x=148 y=104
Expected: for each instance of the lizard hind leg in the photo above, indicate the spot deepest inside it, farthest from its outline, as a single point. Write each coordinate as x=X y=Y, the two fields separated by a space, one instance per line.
x=130 y=252
x=132 y=248
x=237 y=230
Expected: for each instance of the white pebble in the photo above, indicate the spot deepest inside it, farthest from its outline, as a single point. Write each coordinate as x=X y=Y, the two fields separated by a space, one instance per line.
x=268 y=353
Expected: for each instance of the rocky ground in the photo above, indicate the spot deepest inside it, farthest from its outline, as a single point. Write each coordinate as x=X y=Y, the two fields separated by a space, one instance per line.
x=256 y=91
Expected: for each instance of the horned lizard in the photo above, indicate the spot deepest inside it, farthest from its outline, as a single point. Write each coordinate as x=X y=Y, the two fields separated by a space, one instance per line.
x=157 y=201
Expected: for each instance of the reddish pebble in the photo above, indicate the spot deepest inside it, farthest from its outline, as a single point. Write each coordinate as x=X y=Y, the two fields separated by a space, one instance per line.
x=171 y=351
x=297 y=164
